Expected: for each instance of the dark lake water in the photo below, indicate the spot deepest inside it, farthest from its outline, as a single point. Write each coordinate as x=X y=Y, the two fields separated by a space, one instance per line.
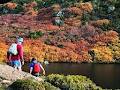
x=104 y=75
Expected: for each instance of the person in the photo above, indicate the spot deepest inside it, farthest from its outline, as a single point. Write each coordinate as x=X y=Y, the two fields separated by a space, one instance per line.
x=36 y=68
x=16 y=60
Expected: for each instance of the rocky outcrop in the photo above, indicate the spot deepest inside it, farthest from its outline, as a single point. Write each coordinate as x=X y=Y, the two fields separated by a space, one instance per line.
x=9 y=73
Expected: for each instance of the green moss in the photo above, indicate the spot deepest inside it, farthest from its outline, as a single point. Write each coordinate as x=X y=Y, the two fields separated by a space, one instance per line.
x=2 y=88
x=56 y=82
x=49 y=86
x=72 y=82
x=27 y=84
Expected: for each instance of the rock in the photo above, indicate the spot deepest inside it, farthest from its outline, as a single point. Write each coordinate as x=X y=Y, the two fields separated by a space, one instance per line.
x=8 y=73
x=38 y=79
x=6 y=82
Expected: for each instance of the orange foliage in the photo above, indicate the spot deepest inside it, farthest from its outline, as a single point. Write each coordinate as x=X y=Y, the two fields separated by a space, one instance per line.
x=110 y=36
x=106 y=37
x=11 y=5
x=32 y=12
x=3 y=51
x=85 y=6
x=51 y=53
x=75 y=10
x=69 y=45
x=82 y=45
x=73 y=22
x=100 y=22
x=28 y=9
x=33 y=49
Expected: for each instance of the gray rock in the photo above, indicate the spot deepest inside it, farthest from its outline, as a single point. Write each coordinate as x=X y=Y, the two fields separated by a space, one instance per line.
x=10 y=74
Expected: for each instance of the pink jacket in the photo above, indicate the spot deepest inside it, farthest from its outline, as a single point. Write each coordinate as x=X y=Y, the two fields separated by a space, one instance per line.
x=19 y=56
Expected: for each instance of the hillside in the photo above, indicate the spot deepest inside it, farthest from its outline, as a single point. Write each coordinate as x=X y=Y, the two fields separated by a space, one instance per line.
x=73 y=31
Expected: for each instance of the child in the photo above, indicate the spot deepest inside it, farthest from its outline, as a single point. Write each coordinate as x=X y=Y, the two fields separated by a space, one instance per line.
x=36 y=68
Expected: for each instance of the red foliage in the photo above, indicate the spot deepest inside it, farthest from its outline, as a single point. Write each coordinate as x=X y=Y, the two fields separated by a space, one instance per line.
x=25 y=21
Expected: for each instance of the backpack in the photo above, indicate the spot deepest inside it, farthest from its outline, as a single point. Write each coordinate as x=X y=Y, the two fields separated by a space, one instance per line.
x=36 y=68
x=13 y=49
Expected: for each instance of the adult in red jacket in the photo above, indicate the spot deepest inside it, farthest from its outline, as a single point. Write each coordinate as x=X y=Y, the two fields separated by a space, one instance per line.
x=17 y=59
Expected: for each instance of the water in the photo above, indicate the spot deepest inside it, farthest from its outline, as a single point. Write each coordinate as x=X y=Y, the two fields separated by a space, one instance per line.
x=104 y=75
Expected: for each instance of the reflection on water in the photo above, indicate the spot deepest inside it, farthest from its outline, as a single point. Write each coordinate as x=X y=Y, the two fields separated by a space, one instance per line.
x=104 y=75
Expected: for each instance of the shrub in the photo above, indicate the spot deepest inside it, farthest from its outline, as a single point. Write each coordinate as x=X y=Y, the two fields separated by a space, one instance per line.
x=85 y=18
x=27 y=84
x=60 y=46
x=101 y=22
x=35 y=35
x=88 y=7
x=3 y=51
x=102 y=53
x=11 y=5
x=15 y=9
x=49 y=86
x=22 y=1
x=72 y=82
x=48 y=42
x=75 y=10
x=115 y=48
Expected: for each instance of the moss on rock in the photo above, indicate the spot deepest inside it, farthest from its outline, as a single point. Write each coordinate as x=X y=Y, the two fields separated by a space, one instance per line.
x=72 y=82
x=27 y=84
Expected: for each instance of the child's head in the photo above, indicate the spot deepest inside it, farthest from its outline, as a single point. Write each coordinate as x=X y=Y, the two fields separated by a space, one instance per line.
x=33 y=59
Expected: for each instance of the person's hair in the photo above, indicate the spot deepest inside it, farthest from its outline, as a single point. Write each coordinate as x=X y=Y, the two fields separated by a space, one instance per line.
x=33 y=59
x=19 y=39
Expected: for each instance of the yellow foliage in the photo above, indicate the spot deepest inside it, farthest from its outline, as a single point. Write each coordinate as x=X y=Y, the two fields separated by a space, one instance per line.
x=115 y=48
x=33 y=49
x=102 y=53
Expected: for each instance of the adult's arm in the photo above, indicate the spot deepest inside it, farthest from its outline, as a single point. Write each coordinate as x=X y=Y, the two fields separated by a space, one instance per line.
x=31 y=67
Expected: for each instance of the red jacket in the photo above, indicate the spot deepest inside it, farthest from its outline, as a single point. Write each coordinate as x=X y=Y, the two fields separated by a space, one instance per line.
x=19 y=56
